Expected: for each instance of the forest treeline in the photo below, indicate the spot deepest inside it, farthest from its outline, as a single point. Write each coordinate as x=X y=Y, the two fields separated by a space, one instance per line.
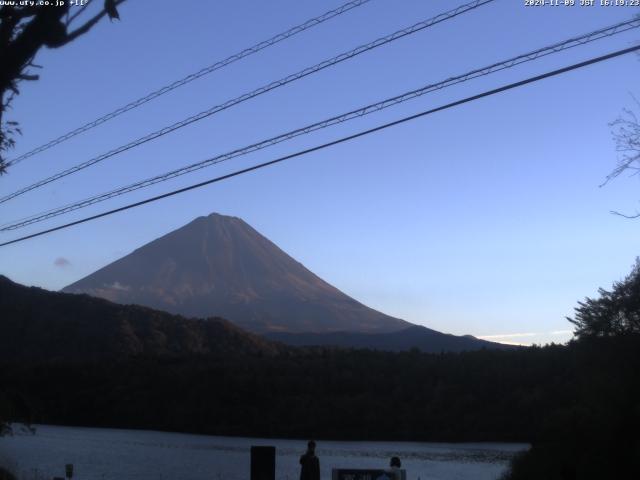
x=486 y=395
x=578 y=404
x=598 y=435
x=576 y=401
x=331 y=394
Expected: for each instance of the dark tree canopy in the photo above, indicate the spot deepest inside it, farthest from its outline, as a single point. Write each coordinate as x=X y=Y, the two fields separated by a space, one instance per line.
x=615 y=312
x=24 y=30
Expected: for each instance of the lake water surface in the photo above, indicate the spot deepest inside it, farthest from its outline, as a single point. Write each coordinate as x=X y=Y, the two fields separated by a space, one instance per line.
x=112 y=454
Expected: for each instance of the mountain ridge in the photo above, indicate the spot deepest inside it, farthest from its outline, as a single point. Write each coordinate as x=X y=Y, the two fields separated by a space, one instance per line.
x=40 y=325
x=219 y=265
x=415 y=337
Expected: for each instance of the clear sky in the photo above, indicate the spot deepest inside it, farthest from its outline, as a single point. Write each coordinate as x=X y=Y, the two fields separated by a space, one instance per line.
x=486 y=219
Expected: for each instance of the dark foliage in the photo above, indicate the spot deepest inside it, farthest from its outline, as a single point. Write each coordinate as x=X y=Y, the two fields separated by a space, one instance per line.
x=596 y=435
x=579 y=405
x=588 y=390
x=415 y=336
x=38 y=325
x=614 y=313
x=6 y=475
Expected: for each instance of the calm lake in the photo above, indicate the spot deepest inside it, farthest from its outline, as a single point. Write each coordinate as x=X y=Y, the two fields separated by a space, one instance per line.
x=111 y=454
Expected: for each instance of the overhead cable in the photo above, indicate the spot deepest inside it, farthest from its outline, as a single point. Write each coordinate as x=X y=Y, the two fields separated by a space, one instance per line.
x=381 y=105
x=335 y=142
x=259 y=91
x=193 y=76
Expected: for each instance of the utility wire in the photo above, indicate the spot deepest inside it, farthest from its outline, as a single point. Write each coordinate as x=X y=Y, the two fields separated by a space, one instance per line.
x=505 y=64
x=338 y=141
x=194 y=76
x=264 y=89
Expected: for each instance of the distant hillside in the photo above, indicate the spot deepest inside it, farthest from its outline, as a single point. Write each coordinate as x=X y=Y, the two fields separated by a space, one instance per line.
x=220 y=266
x=37 y=325
x=421 y=338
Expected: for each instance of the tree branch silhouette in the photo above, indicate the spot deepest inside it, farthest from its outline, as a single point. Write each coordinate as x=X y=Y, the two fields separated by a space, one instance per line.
x=626 y=134
x=24 y=30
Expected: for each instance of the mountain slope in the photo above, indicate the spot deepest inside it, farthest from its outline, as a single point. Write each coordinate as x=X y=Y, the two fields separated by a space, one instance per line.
x=219 y=265
x=38 y=325
x=418 y=337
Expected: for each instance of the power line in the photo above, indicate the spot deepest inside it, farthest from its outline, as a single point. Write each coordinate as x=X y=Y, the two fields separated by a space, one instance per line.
x=194 y=76
x=338 y=141
x=514 y=61
x=259 y=91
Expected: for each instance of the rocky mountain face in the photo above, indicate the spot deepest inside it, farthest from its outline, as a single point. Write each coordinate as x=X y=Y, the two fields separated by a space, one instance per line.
x=220 y=266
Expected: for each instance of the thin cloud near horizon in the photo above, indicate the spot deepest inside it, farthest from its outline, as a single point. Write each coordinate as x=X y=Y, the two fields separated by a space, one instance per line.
x=506 y=336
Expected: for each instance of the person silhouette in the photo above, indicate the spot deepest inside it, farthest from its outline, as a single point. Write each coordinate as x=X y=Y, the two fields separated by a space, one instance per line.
x=310 y=464
x=394 y=468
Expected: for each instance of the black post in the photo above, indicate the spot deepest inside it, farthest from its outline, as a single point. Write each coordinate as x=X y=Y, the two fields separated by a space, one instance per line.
x=263 y=463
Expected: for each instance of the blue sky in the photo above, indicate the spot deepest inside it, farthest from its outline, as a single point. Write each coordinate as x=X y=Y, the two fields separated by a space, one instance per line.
x=486 y=219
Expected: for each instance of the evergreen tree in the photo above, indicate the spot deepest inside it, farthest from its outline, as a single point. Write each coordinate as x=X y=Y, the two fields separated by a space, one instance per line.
x=615 y=312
